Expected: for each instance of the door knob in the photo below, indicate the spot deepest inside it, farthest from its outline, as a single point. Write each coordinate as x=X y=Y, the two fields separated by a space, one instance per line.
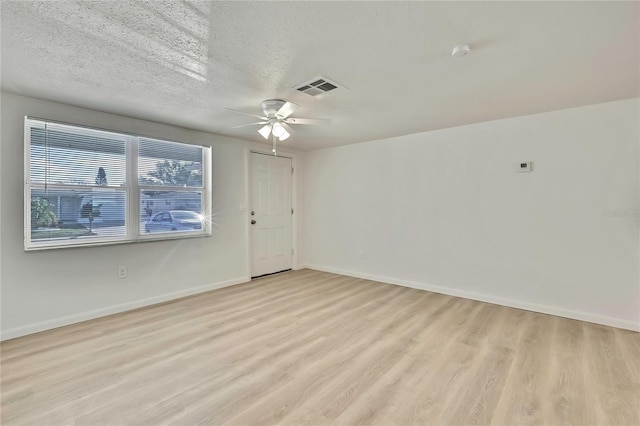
x=253 y=222
x=252 y=213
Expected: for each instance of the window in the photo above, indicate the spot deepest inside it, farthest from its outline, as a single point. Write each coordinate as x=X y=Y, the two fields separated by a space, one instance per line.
x=88 y=186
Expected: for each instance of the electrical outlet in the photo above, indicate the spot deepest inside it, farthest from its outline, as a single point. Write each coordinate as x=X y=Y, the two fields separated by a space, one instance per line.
x=122 y=272
x=361 y=253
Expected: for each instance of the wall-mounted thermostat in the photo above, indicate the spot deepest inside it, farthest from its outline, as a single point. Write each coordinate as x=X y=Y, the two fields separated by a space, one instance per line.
x=524 y=167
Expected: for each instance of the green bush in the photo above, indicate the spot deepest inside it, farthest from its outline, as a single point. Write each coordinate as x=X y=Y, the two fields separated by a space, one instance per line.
x=42 y=213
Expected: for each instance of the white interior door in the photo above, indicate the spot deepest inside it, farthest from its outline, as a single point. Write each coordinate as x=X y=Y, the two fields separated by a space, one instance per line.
x=270 y=214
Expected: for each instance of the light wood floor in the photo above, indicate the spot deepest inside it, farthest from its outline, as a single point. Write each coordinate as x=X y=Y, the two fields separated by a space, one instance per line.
x=307 y=347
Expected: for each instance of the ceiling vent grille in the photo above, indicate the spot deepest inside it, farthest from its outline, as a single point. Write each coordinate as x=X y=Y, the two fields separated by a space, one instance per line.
x=317 y=86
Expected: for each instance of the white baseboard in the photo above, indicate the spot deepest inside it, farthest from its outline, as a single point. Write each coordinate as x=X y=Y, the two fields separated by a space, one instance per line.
x=110 y=310
x=551 y=310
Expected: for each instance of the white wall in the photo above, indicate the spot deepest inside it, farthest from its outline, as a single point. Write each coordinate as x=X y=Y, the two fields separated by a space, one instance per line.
x=45 y=289
x=444 y=211
x=440 y=210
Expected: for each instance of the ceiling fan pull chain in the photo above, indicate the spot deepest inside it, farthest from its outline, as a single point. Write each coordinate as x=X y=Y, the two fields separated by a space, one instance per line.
x=274 y=145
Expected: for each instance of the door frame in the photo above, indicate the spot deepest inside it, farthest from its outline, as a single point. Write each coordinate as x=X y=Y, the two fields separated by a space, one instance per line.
x=295 y=204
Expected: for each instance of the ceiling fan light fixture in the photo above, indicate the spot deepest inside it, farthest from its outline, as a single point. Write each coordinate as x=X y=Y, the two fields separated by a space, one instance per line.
x=278 y=130
x=264 y=131
x=284 y=135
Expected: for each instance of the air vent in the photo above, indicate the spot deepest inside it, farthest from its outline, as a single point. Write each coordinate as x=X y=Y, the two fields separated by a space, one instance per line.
x=317 y=86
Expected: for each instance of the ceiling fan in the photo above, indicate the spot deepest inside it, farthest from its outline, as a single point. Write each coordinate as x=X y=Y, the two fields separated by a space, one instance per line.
x=277 y=121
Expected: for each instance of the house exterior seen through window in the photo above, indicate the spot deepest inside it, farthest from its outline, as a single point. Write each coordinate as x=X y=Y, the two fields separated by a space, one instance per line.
x=84 y=186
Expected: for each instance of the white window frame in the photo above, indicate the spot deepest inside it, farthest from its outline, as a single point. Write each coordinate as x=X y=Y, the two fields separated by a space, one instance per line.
x=132 y=191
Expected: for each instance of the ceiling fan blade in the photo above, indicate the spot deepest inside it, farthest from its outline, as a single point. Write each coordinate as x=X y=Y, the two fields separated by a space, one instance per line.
x=246 y=113
x=250 y=124
x=296 y=120
x=286 y=110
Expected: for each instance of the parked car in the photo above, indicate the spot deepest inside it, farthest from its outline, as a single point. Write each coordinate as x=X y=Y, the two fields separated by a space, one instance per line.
x=174 y=220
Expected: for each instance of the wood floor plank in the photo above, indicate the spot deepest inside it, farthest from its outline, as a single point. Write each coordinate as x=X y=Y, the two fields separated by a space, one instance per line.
x=525 y=397
x=307 y=347
x=617 y=395
x=569 y=405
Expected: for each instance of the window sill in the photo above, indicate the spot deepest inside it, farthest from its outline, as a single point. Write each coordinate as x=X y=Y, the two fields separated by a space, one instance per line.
x=140 y=239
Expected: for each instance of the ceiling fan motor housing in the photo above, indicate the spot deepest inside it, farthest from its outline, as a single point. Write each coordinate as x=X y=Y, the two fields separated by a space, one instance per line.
x=271 y=106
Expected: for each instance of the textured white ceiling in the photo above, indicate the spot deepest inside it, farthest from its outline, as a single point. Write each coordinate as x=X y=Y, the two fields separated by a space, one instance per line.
x=179 y=62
